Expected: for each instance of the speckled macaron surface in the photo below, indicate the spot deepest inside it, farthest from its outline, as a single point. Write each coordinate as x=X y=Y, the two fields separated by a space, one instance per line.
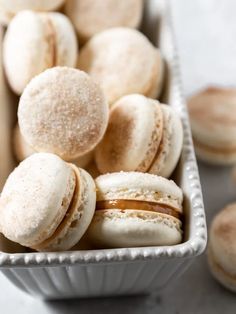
x=34 y=42
x=107 y=58
x=63 y=111
x=222 y=247
x=103 y=14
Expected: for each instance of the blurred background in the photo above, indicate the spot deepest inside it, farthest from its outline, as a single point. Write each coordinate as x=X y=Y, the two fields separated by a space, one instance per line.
x=205 y=34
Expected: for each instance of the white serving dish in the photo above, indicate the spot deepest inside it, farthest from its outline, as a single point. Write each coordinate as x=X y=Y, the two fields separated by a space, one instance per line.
x=117 y=271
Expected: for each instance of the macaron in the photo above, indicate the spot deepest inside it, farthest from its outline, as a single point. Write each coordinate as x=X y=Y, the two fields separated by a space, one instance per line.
x=63 y=111
x=8 y=8
x=46 y=203
x=213 y=121
x=142 y=135
x=103 y=14
x=222 y=247
x=22 y=150
x=136 y=209
x=123 y=61
x=34 y=42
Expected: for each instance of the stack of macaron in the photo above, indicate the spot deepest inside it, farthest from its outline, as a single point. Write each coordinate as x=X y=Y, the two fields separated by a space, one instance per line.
x=213 y=121
x=96 y=148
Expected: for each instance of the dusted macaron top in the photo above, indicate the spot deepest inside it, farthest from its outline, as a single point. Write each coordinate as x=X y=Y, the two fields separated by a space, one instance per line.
x=63 y=111
x=107 y=58
x=35 y=198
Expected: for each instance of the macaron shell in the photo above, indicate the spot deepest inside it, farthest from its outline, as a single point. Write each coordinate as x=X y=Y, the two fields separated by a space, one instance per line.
x=212 y=116
x=15 y=6
x=130 y=228
x=106 y=57
x=63 y=111
x=35 y=199
x=78 y=218
x=26 y=50
x=104 y=14
x=215 y=157
x=35 y=42
x=222 y=239
x=139 y=186
x=66 y=40
x=219 y=274
x=133 y=135
x=171 y=145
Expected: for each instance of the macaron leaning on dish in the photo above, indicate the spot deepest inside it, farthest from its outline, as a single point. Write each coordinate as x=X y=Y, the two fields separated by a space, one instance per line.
x=46 y=203
x=34 y=42
x=222 y=247
x=136 y=209
x=213 y=122
x=123 y=61
x=142 y=135
x=8 y=8
x=63 y=111
x=103 y=14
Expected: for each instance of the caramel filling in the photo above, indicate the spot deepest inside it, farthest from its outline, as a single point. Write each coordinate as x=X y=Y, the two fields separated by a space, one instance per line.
x=139 y=205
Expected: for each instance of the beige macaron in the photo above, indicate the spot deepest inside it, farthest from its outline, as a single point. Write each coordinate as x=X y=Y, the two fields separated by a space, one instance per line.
x=22 y=150
x=213 y=121
x=222 y=247
x=8 y=8
x=35 y=42
x=62 y=111
x=124 y=62
x=103 y=14
x=46 y=203
x=136 y=209
x=142 y=135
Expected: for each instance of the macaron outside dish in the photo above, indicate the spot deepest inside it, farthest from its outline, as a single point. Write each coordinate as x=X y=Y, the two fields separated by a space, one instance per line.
x=63 y=111
x=136 y=209
x=222 y=247
x=46 y=203
x=213 y=122
x=107 y=58
x=103 y=14
x=34 y=42
x=8 y=8
x=142 y=135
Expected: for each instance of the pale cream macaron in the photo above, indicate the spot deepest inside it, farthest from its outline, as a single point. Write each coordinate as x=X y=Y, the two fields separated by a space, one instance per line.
x=136 y=209
x=63 y=111
x=213 y=122
x=37 y=41
x=222 y=247
x=8 y=8
x=22 y=150
x=124 y=62
x=142 y=135
x=91 y=17
x=46 y=203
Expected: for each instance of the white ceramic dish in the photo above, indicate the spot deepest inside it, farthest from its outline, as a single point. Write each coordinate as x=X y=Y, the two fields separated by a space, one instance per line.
x=119 y=271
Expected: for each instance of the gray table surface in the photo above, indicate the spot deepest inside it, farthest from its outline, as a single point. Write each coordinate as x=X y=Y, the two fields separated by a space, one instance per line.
x=206 y=38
